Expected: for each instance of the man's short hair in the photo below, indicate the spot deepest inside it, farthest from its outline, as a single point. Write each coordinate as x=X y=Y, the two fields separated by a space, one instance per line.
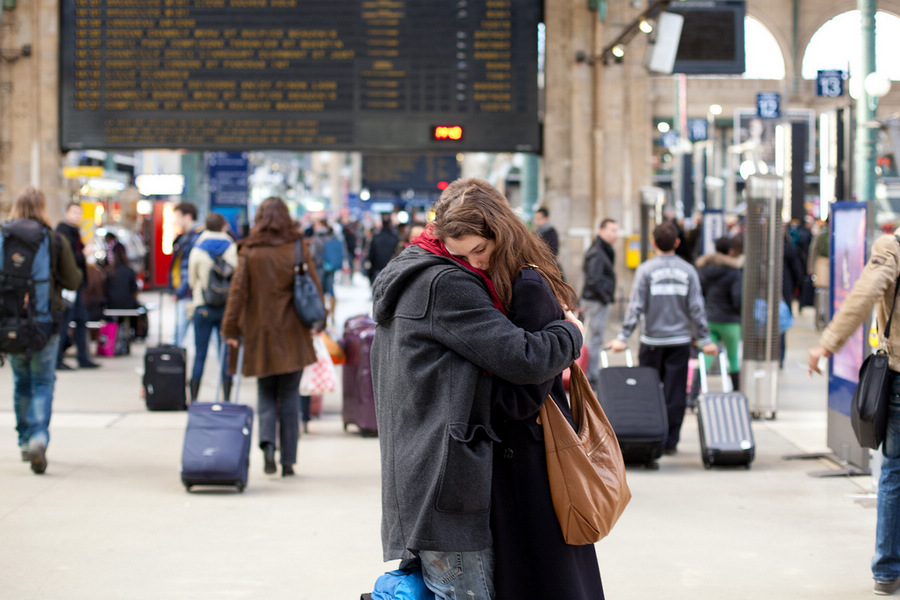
x=606 y=222
x=186 y=208
x=543 y=212
x=723 y=245
x=215 y=222
x=72 y=203
x=664 y=236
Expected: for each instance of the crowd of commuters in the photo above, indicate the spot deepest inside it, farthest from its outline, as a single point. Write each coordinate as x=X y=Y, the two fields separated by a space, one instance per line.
x=474 y=293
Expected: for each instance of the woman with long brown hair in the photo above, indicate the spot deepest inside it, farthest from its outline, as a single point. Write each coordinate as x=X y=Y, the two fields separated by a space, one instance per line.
x=441 y=333
x=277 y=345
x=476 y=224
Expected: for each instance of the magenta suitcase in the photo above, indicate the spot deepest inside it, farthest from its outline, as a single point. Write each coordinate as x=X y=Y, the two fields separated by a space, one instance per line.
x=359 y=394
x=106 y=339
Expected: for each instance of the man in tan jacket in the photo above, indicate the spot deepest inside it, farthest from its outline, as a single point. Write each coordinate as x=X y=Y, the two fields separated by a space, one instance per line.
x=206 y=308
x=877 y=284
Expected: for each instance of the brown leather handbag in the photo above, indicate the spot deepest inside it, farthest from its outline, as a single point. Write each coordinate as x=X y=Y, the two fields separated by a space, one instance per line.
x=586 y=469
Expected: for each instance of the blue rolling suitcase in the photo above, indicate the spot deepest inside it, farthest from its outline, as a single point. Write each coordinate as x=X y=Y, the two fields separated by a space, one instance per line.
x=217 y=440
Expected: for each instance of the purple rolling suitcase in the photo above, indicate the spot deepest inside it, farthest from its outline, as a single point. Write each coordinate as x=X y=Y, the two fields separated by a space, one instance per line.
x=359 y=394
x=217 y=440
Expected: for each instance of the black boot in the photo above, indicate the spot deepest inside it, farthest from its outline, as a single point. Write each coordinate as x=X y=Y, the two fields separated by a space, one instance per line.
x=269 y=465
x=226 y=390
x=195 y=389
x=735 y=381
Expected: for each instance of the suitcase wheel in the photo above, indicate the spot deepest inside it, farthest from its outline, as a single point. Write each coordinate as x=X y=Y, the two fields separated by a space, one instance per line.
x=240 y=486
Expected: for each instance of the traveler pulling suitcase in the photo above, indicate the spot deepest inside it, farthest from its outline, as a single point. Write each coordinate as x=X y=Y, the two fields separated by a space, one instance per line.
x=217 y=440
x=165 y=373
x=359 y=394
x=632 y=398
x=724 y=420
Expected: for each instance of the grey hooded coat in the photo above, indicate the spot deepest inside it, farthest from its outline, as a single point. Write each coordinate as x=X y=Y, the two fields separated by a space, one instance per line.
x=437 y=342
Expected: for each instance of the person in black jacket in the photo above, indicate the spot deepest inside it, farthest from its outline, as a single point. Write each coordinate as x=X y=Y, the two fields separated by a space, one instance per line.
x=599 y=290
x=381 y=248
x=77 y=312
x=545 y=230
x=794 y=271
x=720 y=278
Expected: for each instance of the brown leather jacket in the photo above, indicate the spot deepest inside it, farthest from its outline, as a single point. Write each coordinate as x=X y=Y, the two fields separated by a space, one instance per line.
x=260 y=308
x=876 y=284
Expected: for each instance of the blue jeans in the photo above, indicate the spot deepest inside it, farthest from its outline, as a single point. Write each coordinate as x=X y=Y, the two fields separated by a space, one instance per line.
x=459 y=575
x=886 y=562
x=206 y=319
x=33 y=382
x=181 y=321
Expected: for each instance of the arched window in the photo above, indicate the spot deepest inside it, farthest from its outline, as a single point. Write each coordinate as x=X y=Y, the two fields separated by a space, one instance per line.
x=764 y=59
x=837 y=45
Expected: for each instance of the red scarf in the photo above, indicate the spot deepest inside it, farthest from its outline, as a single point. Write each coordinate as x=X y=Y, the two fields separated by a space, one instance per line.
x=434 y=245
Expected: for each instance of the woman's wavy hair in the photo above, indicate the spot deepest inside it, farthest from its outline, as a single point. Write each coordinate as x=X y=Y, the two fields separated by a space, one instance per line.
x=474 y=207
x=30 y=204
x=273 y=220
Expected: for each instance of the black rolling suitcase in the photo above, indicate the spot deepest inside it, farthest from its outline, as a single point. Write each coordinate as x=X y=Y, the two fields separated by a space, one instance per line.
x=165 y=374
x=632 y=398
x=165 y=370
x=726 y=438
x=217 y=440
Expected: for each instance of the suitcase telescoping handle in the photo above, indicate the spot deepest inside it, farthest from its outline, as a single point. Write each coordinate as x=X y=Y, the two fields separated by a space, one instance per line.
x=223 y=369
x=604 y=358
x=723 y=369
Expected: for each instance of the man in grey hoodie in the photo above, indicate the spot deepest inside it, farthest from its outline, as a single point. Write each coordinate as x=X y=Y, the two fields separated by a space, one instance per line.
x=668 y=296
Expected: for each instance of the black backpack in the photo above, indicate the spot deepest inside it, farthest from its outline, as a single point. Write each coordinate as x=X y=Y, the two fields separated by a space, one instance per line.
x=20 y=330
x=220 y=273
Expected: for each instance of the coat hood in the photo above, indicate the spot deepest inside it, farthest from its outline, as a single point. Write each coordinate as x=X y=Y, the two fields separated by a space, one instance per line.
x=214 y=243
x=732 y=262
x=396 y=276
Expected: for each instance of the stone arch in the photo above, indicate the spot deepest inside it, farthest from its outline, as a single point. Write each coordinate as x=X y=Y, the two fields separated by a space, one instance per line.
x=828 y=9
x=804 y=52
x=782 y=38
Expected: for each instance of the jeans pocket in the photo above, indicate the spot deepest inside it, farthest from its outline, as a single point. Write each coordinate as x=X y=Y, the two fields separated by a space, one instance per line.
x=442 y=567
x=465 y=484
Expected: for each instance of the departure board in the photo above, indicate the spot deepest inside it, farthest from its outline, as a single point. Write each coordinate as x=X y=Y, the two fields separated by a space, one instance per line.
x=378 y=75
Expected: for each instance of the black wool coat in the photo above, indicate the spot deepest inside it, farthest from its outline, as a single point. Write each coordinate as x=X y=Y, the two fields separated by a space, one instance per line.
x=533 y=561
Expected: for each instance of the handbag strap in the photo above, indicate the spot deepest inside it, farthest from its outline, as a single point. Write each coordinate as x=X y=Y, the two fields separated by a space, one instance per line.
x=299 y=267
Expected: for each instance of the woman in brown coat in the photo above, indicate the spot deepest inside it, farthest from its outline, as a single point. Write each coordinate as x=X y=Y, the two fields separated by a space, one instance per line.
x=277 y=345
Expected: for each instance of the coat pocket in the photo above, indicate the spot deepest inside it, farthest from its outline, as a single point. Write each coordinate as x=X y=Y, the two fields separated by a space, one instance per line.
x=465 y=484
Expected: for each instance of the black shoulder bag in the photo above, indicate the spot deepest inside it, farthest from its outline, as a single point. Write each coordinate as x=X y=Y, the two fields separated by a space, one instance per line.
x=307 y=301
x=869 y=407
